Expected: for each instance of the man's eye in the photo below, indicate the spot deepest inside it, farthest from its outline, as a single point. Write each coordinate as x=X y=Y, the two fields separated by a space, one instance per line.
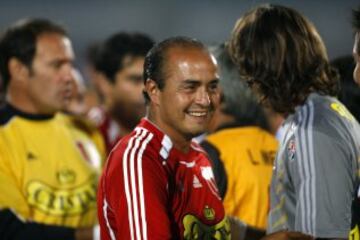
x=57 y=65
x=189 y=87
x=136 y=79
x=214 y=87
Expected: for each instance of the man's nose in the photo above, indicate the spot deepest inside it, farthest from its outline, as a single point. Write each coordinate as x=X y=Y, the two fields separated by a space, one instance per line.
x=202 y=98
x=67 y=74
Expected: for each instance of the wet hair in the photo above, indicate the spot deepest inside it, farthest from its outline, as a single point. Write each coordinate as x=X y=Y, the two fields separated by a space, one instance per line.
x=237 y=98
x=280 y=53
x=19 y=41
x=154 y=65
x=349 y=93
x=112 y=53
x=92 y=54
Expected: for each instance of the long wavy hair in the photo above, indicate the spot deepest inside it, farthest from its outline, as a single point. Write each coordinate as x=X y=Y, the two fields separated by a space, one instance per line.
x=280 y=53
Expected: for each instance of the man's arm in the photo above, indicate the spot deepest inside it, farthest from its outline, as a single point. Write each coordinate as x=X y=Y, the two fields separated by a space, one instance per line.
x=285 y=235
x=324 y=182
x=135 y=192
x=13 y=228
x=241 y=231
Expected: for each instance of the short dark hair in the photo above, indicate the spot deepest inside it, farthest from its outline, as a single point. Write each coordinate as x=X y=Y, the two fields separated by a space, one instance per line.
x=356 y=19
x=349 y=93
x=279 y=50
x=92 y=53
x=154 y=65
x=19 y=41
x=237 y=98
x=112 y=52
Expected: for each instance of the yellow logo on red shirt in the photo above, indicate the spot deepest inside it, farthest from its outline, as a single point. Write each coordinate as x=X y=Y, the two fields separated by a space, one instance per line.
x=209 y=213
x=196 y=230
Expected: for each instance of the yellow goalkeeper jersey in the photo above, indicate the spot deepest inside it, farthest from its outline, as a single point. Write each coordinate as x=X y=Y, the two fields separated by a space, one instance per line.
x=247 y=155
x=48 y=169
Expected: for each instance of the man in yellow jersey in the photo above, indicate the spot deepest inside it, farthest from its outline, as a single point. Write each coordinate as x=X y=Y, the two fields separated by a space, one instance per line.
x=48 y=168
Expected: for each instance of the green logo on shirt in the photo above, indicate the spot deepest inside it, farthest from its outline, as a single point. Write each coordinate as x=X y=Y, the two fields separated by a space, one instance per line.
x=196 y=230
x=209 y=213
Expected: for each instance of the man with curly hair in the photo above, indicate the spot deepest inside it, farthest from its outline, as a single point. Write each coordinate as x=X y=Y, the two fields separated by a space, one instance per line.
x=281 y=55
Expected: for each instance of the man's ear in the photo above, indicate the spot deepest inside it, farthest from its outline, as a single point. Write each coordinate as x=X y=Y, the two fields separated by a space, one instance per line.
x=106 y=89
x=19 y=72
x=104 y=85
x=153 y=91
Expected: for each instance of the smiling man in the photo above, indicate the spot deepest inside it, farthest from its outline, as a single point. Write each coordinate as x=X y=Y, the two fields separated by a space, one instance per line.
x=165 y=187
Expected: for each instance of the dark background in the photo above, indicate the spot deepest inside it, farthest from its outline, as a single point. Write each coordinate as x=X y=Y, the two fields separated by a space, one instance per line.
x=208 y=20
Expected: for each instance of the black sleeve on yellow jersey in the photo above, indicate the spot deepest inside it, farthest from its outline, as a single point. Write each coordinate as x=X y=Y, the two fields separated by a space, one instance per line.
x=218 y=167
x=13 y=228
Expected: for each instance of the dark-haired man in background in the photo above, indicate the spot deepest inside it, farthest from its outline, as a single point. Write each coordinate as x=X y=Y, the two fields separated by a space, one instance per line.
x=120 y=60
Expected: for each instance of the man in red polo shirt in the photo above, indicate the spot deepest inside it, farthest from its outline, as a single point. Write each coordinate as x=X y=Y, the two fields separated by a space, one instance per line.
x=157 y=183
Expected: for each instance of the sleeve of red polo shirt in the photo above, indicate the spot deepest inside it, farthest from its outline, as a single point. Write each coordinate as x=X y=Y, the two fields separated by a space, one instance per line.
x=133 y=195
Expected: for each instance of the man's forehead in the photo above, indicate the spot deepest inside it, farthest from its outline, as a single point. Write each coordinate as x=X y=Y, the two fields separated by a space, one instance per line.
x=54 y=44
x=132 y=60
x=179 y=50
x=48 y=37
x=185 y=55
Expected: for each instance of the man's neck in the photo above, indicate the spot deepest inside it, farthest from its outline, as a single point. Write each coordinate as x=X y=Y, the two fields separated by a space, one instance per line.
x=21 y=101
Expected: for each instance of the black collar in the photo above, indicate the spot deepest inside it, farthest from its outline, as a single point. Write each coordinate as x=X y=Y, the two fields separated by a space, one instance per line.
x=7 y=111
